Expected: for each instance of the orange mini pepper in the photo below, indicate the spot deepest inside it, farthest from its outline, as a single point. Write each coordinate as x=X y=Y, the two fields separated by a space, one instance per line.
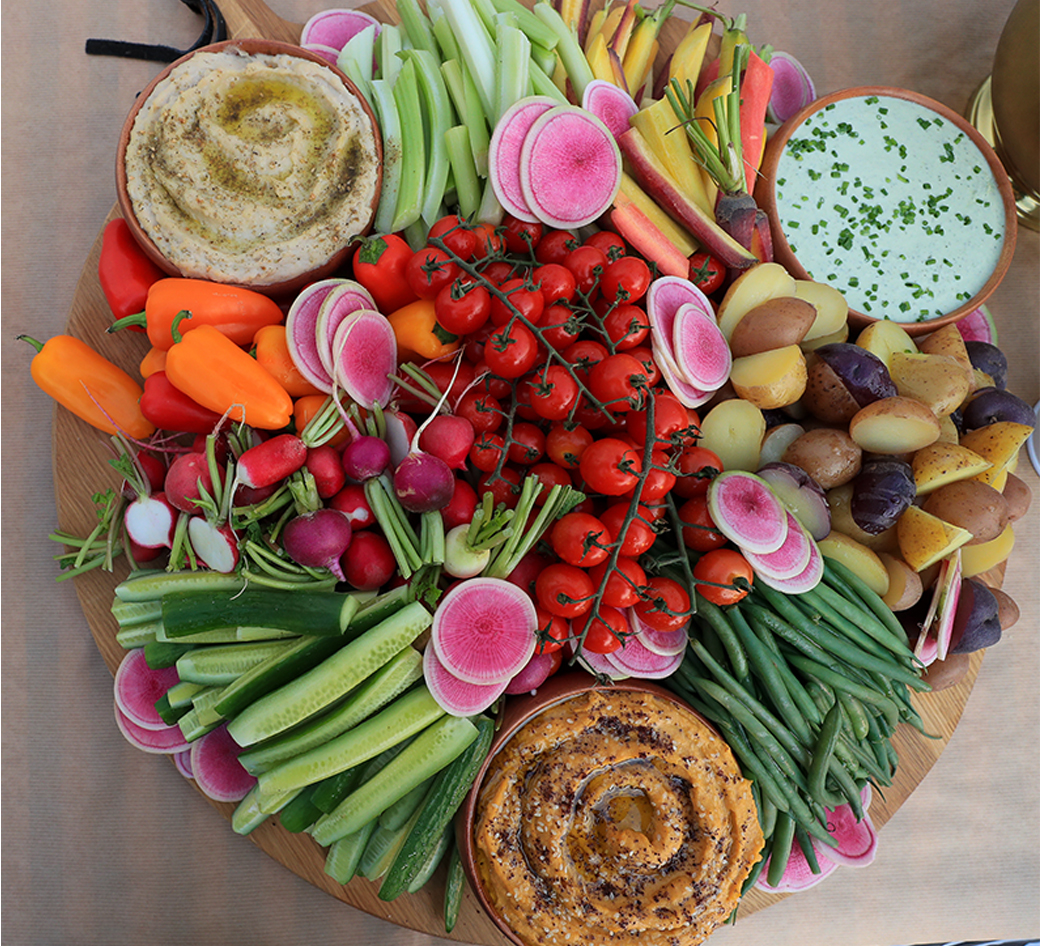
x=89 y=385
x=419 y=335
x=214 y=372
x=154 y=360
x=272 y=351
x=237 y=313
x=304 y=411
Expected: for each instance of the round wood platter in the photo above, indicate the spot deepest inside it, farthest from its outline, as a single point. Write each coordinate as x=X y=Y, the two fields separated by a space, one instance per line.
x=81 y=469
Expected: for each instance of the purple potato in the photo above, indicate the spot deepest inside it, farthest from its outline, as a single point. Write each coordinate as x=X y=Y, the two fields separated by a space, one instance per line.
x=864 y=374
x=881 y=493
x=977 y=621
x=990 y=405
x=988 y=359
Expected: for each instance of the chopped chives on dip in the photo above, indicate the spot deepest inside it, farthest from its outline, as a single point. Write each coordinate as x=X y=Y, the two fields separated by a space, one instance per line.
x=891 y=203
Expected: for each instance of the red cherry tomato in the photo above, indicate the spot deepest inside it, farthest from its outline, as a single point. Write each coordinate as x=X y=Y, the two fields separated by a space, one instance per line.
x=522 y=299
x=625 y=280
x=697 y=467
x=618 y=382
x=519 y=236
x=706 y=272
x=720 y=568
x=698 y=528
x=564 y=590
x=658 y=481
x=584 y=355
x=587 y=263
x=504 y=488
x=512 y=351
x=554 y=246
x=621 y=584
x=497 y=272
x=429 y=271
x=610 y=243
x=461 y=309
x=482 y=410
x=486 y=452
x=489 y=243
x=606 y=632
x=555 y=281
x=610 y=466
x=456 y=235
x=626 y=326
x=560 y=328
x=580 y=539
x=553 y=631
x=638 y=536
x=554 y=392
x=527 y=443
x=646 y=359
x=565 y=444
x=665 y=605
x=672 y=421
x=549 y=475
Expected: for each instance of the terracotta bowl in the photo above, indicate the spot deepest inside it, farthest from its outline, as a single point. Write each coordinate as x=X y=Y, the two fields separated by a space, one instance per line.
x=765 y=194
x=255 y=47
x=518 y=711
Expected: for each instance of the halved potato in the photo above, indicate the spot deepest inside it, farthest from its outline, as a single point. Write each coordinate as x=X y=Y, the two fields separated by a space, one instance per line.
x=904 y=584
x=842 y=335
x=948 y=341
x=972 y=505
x=936 y=380
x=832 y=311
x=925 y=539
x=999 y=443
x=894 y=425
x=858 y=558
x=976 y=559
x=948 y=432
x=839 y=499
x=770 y=378
x=734 y=429
x=883 y=338
x=751 y=288
x=940 y=463
x=775 y=323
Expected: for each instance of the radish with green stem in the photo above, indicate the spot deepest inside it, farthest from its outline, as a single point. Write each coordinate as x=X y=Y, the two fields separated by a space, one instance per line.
x=215 y=544
x=448 y=437
x=365 y=458
x=326 y=466
x=318 y=539
x=151 y=521
x=188 y=481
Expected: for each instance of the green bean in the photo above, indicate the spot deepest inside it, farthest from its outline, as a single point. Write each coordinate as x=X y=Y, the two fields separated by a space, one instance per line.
x=794 y=686
x=847 y=785
x=824 y=751
x=752 y=765
x=767 y=813
x=890 y=631
x=780 y=849
x=783 y=629
x=854 y=713
x=805 y=843
x=800 y=808
x=867 y=594
x=716 y=617
x=820 y=611
x=841 y=681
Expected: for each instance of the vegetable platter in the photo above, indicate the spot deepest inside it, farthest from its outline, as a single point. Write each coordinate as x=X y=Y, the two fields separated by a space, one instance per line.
x=73 y=478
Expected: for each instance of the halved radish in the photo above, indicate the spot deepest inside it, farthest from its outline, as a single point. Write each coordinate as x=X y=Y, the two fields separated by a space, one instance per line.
x=216 y=769
x=793 y=87
x=349 y=296
x=788 y=561
x=747 y=512
x=365 y=356
x=701 y=350
x=151 y=521
x=637 y=660
x=611 y=104
x=301 y=336
x=165 y=741
x=570 y=167
x=533 y=674
x=335 y=27
x=455 y=696
x=137 y=686
x=215 y=545
x=507 y=142
x=807 y=579
x=665 y=643
x=933 y=643
x=484 y=630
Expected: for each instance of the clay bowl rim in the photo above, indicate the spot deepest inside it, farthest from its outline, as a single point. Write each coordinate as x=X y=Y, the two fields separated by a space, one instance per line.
x=519 y=710
x=252 y=47
x=765 y=195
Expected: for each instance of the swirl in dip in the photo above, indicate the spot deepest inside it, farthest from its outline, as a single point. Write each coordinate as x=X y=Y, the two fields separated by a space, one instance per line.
x=615 y=816
x=252 y=168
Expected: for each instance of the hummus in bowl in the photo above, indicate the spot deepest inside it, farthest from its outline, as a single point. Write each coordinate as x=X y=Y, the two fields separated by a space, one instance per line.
x=250 y=162
x=609 y=814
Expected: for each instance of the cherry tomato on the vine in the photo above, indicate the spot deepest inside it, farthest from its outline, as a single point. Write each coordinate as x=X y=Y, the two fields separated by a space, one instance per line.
x=488 y=241
x=584 y=354
x=605 y=633
x=523 y=299
x=429 y=271
x=552 y=632
x=698 y=528
x=610 y=466
x=706 y=272
x=672 y=421
x=554 y=246
x=519 y=236
x=482 y=410
x=564 y=590
x=554 y=392
x=526 y=443
x=461 y=309
x=610 y=243
x=580 y=539
x=565 y=444
x=456 y=235
x=555 y=281
x=618 y=382
x=635 y=538
x=497 y=272
x=665 y=604
x=486 y=452
x=646 y=359
x=626 y=326
x=625 y=280
x=549 y=475
x=658 y=481
x=587 y=263
x=559 y=326
x=719 y=568
x=512 y=351
x=697 y=467
x=621 y=584
x=504 y=488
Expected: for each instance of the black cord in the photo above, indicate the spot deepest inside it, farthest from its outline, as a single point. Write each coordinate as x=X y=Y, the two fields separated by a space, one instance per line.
x=214 y=30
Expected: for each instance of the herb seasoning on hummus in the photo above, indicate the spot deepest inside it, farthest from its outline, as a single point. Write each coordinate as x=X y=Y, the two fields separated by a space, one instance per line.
x=615 y=816
x=252 y=168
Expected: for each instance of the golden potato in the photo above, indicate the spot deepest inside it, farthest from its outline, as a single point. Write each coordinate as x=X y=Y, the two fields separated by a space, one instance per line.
x=827 y=454
x=936 y=380
x=770 y=379
x=948 y=432
x=751 y=288
x=977 y=559
x=925 y=539
x=999 y=443
x=948 y=341
x=905 y=587
x=894 y=425
x=775 y=323
x=972 y=505
x=883 y=338
x=940 y=463
x=839 y=500
x=842 y=335
x=832 y=311
x=1019 y=497
x=858 y=558
x=734 y=429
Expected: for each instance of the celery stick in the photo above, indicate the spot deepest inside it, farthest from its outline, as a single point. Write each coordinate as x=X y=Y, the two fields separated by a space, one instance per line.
x=490 y=210
x=514 y=58
x=536 y=30
x=446 y=41
x=574 y=61
x=416 y=25
x=543 y=57
x=413 y=148
x=542 y=83
x=355 y=59
x=477 y=51
x=467 y=184
x=385 y=105
x=389 y=44
x=467 y=105
x=440 y=118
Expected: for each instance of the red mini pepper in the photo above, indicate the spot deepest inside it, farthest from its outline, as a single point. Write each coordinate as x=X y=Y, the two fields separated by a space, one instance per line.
x=171 y=409
x=124 y=271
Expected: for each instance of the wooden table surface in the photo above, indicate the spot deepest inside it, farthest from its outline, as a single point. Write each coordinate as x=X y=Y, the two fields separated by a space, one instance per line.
x=107 y=845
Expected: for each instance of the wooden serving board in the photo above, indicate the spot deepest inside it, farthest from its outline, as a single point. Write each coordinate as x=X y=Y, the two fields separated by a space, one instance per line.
x=80 y=461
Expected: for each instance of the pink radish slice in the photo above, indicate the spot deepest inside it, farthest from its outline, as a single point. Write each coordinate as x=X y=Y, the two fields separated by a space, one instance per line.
x=686 y=393
x=666 y=296
x=638 y=661
x=217 y=771
x=798 y=874
x=455 y=696
x=747 y=511
x=701 y=350
x=570 y=167
x=183 y=762
x=365 y=355
x=793 y=87
x=611 y=104
x=335 y=27
x=933 y=643
x=165 y=741
x=301 y=332
x=216 y=546
x=805 y=580
x=484 y=630
x=151 y=520
x=788 y=561
x=978 y=325
x=504 y=153
x=137 y=686
x=857 y=840
x=665 y=643
x=329 y=53
x=345 y=298
x=599 y=665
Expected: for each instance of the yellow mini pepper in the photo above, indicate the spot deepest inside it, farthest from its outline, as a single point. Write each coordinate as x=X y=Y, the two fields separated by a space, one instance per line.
x=419 y=336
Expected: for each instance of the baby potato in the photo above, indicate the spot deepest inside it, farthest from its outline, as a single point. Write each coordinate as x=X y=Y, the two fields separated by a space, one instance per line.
x=948 y=341
x=941 y=674
x=770 y=379
x=839 y=500
x=826 y=396
x=827 y=454
x=1007 y=609
x=905 y=587
x=972 y=505
x=832 y=311
x=936 y=380
x=751 y=288
x=883 y=338
x=894 y=425
x=733 y=429
x=1019 y=497
x=775 y=323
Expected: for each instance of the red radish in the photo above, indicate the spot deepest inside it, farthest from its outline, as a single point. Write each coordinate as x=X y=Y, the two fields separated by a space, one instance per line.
x=216 y=545
x=747 y=512
x=318 y=539
x=449 y=437
x=364 y=353
x=504 y=153
x=570 y=167
x=165 y=741
x=933 y=643
x=639 y=661
x=326 y=466
x=153 y=471
x=186 y=480
x=804 y=581
x=140 y=555
x=423 y=482
x=301 y=332
x=249 y=496
x=461 y=506
x=369 y=562
x=533 y=674
x=216 y=769
x=701 y=350
x=150 y=521
x=271 y=461
x=400 y=432
x=455 y=696
x=610 y=104
x=599 y=665
x=788 y=561
x=665 y=643
x=349 y=296
x=183 y=762
x=137 y=686
x=335 y=27
x=365 y=458
x=484 y=630
x=352 y=502
x=793 y=87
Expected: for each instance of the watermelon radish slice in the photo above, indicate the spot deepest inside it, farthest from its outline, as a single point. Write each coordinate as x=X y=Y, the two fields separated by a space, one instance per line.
x=746 y=511
x=788 y=561
x=701 y=350
x=216 y=769
x=857 y=840
x=933 y=643
x=978 y=326
x=798 y=874
x=686 y=393
x=183 y=762
x=334 y=28
x=570 y=167
x=665 y=643
x=611 y=104
x=804 y=581
x=636 y=660
x=166 y=741
x=484 y=630
x=504 y=153
x=793 y=88
x=598 y=665
x=365 y=356
x=455 y=696
x=137 y=687
x=301 y=323
x=347 y=297
x=329 y=53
